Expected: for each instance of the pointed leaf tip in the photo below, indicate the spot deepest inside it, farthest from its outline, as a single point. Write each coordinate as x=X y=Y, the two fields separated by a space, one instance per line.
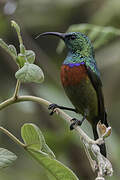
x=58 y=170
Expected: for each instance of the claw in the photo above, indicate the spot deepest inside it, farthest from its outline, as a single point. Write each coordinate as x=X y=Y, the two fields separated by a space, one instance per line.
x=76 y=122
x=52 y=107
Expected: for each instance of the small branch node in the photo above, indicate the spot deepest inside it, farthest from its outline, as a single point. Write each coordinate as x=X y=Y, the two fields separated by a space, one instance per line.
x=15 y=95
x=99 y=141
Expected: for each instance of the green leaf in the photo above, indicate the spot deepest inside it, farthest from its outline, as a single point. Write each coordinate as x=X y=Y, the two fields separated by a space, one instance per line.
x=34 y=138
x=22 y=49
x=7 y=49
x=31 y=136
x=12 y=49
x=15 y=25
x=4 y=45
x=6 y=158
x=56 y=168
x=21 y=59
x=27 y=56
x=30 y=55
x=30 y=73
x=38 y=149
x=99 y=35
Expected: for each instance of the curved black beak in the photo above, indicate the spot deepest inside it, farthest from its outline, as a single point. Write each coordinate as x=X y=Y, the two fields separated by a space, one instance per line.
x=60 y=35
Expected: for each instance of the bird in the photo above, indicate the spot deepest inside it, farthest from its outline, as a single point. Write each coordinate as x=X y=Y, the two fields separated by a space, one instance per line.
x=81 y=81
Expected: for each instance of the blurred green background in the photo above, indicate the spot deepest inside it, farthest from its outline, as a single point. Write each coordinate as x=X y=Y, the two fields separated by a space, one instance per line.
x=39 y=16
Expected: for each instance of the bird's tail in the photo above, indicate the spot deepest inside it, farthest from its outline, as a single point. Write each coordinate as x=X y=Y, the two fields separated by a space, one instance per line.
x=102 y=146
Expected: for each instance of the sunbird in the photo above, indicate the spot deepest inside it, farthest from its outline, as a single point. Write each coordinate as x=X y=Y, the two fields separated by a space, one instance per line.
x=81 y=81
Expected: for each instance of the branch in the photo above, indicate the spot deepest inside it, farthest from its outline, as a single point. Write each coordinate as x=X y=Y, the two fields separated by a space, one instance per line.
x=103 y=166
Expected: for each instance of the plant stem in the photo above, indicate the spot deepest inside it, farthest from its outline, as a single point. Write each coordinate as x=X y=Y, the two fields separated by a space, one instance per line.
x=7 y=103
x=16 y=89
x=5 y=131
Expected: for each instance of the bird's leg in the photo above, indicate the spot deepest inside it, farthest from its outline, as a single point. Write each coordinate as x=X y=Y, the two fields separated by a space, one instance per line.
x=54 y=106
x=77 y=122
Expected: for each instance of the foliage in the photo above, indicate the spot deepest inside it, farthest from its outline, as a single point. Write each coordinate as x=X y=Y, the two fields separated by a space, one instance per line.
x=38 y=149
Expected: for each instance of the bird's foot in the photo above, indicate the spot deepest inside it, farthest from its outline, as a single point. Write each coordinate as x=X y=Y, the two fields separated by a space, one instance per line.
x=76 y=122
x=52 y=107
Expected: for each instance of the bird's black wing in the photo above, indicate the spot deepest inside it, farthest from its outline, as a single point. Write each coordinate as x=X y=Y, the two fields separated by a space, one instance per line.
x=97 y=84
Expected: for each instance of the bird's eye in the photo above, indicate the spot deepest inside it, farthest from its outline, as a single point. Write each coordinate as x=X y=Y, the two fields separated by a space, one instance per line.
x=72 y=37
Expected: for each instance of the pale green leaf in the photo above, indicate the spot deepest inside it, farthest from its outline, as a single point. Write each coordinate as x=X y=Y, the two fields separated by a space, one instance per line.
x=27 y=56
x=15 y=25
x=7 y=49
x=30 y=55
x=22 y=49
x=31 y=136
x=34 y=138
x=38 y=149
x=21 y=59
x=13 y=49
x=4 y=45
x=56 y=168
x=6 y=158
x=30 y=73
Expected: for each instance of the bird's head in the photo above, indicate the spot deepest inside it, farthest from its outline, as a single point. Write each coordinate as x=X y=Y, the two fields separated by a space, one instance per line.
x=76 y=42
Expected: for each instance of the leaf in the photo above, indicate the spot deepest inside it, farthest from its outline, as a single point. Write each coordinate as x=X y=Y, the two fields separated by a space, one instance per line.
x=99 y=35
x=27 y=56
x=31 y=136
x=30 y=55
x=15 y=25
x=30 y=73
x=34 y=138
x=38 y=149
x=12 y=49
x=56 y=168
x=7 y=49
x=4 y=45
x=22 y=49
x=21 y=59
x=6 y=158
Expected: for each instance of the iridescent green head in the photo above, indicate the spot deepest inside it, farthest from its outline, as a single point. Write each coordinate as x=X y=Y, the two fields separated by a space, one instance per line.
x=76 y=42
